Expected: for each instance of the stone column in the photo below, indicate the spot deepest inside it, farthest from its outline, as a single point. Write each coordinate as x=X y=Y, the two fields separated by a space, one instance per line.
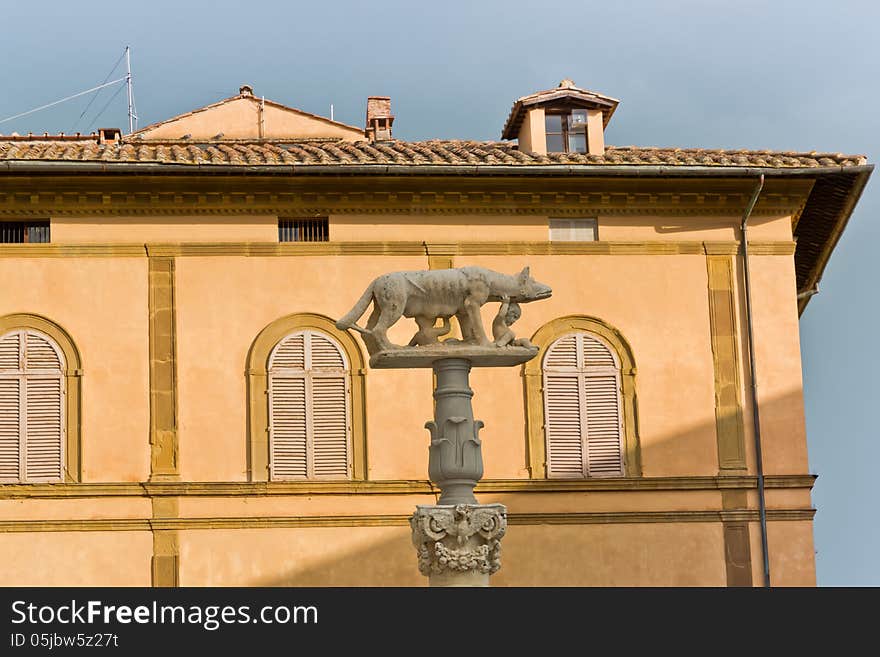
x=455 y=458
x=457 y=540
x=459 y=545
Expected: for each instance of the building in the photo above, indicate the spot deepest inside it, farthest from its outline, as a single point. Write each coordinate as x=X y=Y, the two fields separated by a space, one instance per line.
x=177 y=407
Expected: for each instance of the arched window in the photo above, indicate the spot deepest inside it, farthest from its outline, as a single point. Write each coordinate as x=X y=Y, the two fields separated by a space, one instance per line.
x=582 y=408
x=581 y=418
x=32 y=407
x=309 y=408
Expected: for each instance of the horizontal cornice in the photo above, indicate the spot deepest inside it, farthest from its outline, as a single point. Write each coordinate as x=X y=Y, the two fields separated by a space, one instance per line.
x=272 y=249
x=391 y=520
x=414 y=487
x=223 y=195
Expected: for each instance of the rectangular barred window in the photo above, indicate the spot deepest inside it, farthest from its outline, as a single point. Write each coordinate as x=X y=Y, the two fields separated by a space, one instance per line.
x=306 y=229
x=24 y=232
x=573 y=230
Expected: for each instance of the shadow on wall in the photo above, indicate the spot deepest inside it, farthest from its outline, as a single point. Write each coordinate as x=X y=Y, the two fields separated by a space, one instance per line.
x=668 y=553
x=693 y=449
x=636 y=554
x=661 y=224
x=384 y=556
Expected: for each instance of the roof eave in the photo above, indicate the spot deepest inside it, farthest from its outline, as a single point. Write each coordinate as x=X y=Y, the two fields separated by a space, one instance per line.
x=862 y=174
x=859 y=174
x=595 y=170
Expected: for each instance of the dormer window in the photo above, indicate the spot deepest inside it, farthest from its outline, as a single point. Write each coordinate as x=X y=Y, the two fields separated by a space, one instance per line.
x=566 y=131
x=566 y=119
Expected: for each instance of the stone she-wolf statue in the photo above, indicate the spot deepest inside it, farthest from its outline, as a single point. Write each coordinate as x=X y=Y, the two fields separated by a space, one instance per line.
x=441 y=294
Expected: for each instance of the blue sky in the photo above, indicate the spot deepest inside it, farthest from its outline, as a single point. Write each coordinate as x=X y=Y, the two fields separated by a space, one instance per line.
x=746 y=74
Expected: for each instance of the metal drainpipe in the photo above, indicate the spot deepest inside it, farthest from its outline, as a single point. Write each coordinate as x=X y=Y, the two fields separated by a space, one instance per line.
x=762 y=505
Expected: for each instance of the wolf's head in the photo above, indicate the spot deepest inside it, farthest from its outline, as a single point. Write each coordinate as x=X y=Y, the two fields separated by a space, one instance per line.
x=528 y=289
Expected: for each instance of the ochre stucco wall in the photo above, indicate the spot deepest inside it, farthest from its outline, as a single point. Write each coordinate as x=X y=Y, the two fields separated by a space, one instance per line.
x=675 y=554
x=659 y=303
x=102 y=304
x=710 y=228
x=164 y=230
x=660 y=306
x=792 y=553
x=405 y=227
x=314 y=556
x=97 y=508
x=224 y=303
x=778 y=363
x=438 y=228
x=532 y=132
x=105 y=558
x=655 y=554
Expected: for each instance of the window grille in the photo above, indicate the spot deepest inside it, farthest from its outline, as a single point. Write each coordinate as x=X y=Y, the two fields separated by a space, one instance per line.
x=310 y=229
x=24 y=232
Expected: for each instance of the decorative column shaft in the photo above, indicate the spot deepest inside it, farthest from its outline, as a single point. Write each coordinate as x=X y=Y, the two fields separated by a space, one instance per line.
x=455 y=459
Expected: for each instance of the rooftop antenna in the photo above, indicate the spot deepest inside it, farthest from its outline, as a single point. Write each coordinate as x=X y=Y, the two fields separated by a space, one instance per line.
x=132 y=117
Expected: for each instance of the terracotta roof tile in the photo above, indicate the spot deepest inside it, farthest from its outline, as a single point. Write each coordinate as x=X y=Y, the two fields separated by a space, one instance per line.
x=391 y=153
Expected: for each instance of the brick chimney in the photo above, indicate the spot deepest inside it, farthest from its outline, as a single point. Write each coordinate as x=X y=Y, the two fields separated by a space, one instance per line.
x=109 y=135
x=379 y=118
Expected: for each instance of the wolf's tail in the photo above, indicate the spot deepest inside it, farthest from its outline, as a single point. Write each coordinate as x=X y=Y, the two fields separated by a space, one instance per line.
x=353 y=315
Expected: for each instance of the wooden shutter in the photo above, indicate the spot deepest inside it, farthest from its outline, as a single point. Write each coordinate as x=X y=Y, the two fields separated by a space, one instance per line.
x=287 y=403
x=309 y=417
x=31 y=408
x=604 y=448
x=330 y=427
x=290 y=353
x=41 y=354
x=10 y=352
x=562 y=354
x=10 y=429
x=43 y=421
x=596 y=353
x=325 y=354
x=583 y=421
x=10 y=406
x=565 y=442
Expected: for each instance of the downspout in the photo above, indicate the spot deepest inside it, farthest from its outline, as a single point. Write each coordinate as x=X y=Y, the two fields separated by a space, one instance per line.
x=759 y=462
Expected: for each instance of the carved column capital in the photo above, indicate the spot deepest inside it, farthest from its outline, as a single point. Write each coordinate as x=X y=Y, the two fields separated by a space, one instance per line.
x=459 y=544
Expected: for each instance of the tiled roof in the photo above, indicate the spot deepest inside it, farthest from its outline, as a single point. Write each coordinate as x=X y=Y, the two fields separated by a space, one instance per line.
x=390 y=153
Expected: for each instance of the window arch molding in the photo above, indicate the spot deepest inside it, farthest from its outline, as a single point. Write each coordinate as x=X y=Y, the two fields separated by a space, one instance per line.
x=543 y=338
x=258 y=389
x=72 y=372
